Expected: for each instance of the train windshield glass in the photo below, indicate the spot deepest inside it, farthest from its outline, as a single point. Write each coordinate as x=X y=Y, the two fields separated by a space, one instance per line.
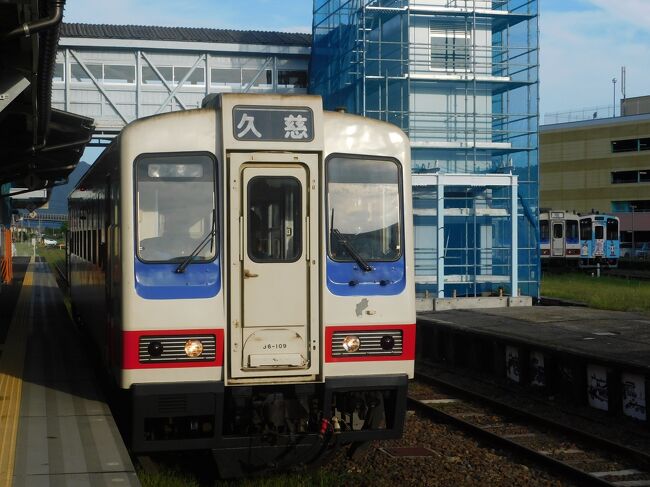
x=572 y=231
x=585 y=229
x=543 y=231
x=364 y=210
x=175 y=207
x=612 y=229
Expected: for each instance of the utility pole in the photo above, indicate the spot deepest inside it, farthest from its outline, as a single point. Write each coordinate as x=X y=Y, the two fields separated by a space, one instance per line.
x=633 y=246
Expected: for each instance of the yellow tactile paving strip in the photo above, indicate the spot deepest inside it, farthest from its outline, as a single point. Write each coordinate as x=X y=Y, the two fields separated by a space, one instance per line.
x=11 y=383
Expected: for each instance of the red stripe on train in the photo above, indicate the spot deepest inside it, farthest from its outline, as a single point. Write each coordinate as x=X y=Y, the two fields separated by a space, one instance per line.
x=131 y=360
x=408 y=343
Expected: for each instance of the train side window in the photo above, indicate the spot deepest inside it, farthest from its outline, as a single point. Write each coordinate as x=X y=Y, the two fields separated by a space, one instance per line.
x=612 y=229
x=585 y=229
x=543 y=231
x=572 y=230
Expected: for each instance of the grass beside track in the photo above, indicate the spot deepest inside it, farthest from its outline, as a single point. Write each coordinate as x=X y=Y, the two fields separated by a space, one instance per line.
x=53 y=256
x=610 y=293
x=320 y=478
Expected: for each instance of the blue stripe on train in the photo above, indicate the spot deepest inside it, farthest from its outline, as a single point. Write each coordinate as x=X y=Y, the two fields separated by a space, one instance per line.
x=341 y=274
x=159 y=281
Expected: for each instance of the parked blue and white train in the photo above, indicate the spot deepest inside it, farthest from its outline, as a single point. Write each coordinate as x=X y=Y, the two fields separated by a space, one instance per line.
x=600 y=242
x=583 y=240
x=246 y=270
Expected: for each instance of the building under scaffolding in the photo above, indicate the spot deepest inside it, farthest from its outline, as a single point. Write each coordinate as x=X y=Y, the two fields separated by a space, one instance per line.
x=460 y=77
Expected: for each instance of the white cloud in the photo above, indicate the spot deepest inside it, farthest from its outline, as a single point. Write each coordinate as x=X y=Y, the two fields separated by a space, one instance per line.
x=635 y=12
x=582 y=51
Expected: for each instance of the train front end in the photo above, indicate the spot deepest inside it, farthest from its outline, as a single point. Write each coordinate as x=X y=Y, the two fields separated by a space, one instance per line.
x=268 y=300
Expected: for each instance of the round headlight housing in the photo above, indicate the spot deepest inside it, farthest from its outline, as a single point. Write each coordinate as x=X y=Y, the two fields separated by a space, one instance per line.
x=193 y=348
x=155 y=348
x=387 y=342
x=351 y=343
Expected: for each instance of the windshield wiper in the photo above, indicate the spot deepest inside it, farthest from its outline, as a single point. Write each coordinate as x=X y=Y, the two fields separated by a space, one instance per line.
x=208 y=238
x=348 y=247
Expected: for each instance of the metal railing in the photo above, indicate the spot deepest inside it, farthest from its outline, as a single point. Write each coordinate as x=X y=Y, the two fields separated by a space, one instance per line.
x=579 y=115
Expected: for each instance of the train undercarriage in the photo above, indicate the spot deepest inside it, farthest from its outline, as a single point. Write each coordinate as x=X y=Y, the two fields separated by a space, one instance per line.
x=255 y=428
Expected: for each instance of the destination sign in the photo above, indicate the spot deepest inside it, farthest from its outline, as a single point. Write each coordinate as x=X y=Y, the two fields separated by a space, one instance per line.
x=273 y=124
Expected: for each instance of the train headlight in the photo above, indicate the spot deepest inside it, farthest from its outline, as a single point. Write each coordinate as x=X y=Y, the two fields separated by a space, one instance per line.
x=387 y=342
x=193 y=348
x=155 y=349
x=351 y=343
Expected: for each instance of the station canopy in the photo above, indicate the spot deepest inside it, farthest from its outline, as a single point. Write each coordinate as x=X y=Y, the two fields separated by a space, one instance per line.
x=39 y=145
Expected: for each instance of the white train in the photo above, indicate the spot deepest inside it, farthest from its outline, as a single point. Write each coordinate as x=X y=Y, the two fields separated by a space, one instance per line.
x=559 y=237
x=246 y=270
x=586 y=241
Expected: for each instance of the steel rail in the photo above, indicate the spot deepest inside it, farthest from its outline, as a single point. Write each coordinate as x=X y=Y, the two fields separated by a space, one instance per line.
x=575 y=474
x=501 y=407
x=62 y=275
x=556 y=466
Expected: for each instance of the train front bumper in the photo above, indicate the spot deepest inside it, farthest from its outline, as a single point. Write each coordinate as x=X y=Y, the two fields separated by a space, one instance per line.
x=207 y=415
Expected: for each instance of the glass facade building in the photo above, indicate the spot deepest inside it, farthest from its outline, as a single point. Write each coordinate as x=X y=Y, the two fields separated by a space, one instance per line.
x=460 y=77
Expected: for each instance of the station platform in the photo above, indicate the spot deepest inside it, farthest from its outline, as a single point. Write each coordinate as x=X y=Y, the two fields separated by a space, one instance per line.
x=55 y=427
x=593 y=357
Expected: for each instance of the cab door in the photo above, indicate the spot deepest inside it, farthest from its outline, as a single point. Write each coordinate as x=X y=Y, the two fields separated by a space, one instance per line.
x=276 y=273
x=558 y=239
x=599 y=240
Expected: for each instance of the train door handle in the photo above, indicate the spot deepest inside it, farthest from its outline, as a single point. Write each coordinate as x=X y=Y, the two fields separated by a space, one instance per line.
x=248 y=274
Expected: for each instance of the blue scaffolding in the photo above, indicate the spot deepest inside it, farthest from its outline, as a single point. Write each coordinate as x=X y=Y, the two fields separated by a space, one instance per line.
x=460 y=77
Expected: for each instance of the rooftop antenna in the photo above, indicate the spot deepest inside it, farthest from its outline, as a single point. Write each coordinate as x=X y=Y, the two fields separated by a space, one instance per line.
x=614 y=104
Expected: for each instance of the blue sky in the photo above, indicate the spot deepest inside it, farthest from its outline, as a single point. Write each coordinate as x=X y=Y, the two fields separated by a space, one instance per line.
x=584 y=43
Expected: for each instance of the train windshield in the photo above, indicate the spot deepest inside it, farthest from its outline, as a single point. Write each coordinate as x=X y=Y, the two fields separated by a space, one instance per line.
x=543 y=231
x=612 y=229
x=364 y=210
x=585 y=229
x=572 y=231
x=175 y=208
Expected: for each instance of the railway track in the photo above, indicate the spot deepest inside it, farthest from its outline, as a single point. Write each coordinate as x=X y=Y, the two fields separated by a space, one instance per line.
x=61 y=275
x=638 y=275
x=577 y=455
